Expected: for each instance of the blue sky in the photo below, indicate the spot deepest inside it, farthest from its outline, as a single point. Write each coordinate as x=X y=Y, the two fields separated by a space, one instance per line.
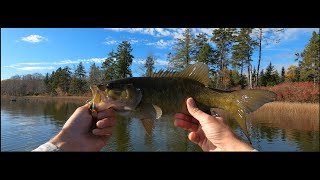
x=42 y=50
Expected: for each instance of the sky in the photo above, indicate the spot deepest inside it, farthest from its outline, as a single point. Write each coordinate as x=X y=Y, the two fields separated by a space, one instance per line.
x=41 y=50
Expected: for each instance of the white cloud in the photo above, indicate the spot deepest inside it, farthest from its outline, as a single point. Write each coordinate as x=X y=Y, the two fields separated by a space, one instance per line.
x=141 y=61
x=161 y=62
x=133 y=41
x=162 y=44
x=110 y=42
x=156 y=62
x=288 y=34
x=31 y=68
x=294 y=33
x=44 y=65
x=164 y=32
x=34 y=38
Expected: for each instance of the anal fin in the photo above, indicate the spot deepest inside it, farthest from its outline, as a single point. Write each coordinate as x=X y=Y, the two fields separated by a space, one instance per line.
x=148 y=125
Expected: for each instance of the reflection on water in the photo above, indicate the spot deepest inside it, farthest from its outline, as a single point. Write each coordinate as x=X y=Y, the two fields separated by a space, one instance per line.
x=26 y=125
x=130 y=135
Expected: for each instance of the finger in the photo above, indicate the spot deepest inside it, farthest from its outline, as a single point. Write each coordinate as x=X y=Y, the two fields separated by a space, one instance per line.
x=106 y=113
x=106 y=122
x=103 y=132
x=86 y=106
x=194 y=137
x=186 y=125
x=201 y=116
x=186 y=118
x=83 y=108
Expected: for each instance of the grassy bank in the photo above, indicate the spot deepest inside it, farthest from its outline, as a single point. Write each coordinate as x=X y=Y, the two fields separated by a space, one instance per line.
x=302 y=116
x=77 y=99
x=287 y=115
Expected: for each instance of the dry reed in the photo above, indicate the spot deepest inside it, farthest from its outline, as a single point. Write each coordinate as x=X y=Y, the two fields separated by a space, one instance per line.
x=287 y=115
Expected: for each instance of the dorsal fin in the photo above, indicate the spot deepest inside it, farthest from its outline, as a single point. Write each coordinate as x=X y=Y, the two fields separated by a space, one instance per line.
x=198 y=72
x=162 y=73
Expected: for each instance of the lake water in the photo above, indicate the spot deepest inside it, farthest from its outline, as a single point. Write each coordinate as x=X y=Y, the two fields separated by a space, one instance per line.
x=25 y=126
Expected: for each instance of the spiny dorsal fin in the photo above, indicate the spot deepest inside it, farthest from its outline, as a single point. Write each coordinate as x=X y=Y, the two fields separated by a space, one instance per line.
x=198 y=72
x=162 y=73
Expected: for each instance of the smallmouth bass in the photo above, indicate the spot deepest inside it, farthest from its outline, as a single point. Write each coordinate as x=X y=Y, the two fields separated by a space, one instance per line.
x=165 y=93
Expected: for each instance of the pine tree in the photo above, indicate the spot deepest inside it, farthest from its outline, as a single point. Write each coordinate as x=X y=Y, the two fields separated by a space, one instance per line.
x=47 y=83
x=223 y=38
x=149 y=65
x=184 y=51
x=271 y=76
x=242 y=51
x=95 y=75
x=123 y=60
x=203 y=52
x=109 y=67
x=310 y=58
x=78 y=81
x=66 y=78
x=283 y=75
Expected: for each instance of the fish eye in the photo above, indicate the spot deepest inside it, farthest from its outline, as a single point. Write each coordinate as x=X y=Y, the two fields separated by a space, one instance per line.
x=109 y=86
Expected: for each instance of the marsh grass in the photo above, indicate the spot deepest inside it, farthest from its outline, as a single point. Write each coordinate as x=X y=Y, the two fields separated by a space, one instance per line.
x=287 y=115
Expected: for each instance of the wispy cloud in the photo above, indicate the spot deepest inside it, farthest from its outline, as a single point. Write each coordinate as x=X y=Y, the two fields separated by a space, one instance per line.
x=161 y=62
x=156 y=62
x=110 y=41
x=165 y=32
x=288 y=34
x=34 y=38
x=30 y=66
x=294 y=33
x=162 y=44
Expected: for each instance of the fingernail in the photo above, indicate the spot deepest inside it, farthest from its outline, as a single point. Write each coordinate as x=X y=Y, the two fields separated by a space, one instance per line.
x=175 y=123
x=95 y=131
x=191 y=102
x=98 y=123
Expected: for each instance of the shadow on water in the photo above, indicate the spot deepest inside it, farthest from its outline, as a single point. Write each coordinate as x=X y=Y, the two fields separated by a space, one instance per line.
x=26 y=125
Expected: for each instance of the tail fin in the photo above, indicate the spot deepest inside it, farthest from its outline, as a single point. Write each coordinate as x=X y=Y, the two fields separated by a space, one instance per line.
x=245 y=101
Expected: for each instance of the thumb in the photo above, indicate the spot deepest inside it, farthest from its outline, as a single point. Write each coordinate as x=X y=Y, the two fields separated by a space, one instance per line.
x=201 y=116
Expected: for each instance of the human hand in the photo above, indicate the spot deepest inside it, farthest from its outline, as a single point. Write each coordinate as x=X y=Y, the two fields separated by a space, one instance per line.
x=210 y=133
x=77 y=135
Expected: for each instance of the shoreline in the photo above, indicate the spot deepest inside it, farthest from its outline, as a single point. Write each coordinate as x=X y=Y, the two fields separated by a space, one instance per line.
x=46 y=98
x=82 y=98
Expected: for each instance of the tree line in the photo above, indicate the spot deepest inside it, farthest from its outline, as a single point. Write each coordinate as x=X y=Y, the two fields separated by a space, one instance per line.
x=228 y=53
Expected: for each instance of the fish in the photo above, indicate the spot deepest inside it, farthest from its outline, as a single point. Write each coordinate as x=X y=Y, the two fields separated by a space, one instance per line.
x=166 y=92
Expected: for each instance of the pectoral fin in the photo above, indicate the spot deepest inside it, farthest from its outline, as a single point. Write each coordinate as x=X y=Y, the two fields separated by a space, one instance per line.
x=149 y=111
